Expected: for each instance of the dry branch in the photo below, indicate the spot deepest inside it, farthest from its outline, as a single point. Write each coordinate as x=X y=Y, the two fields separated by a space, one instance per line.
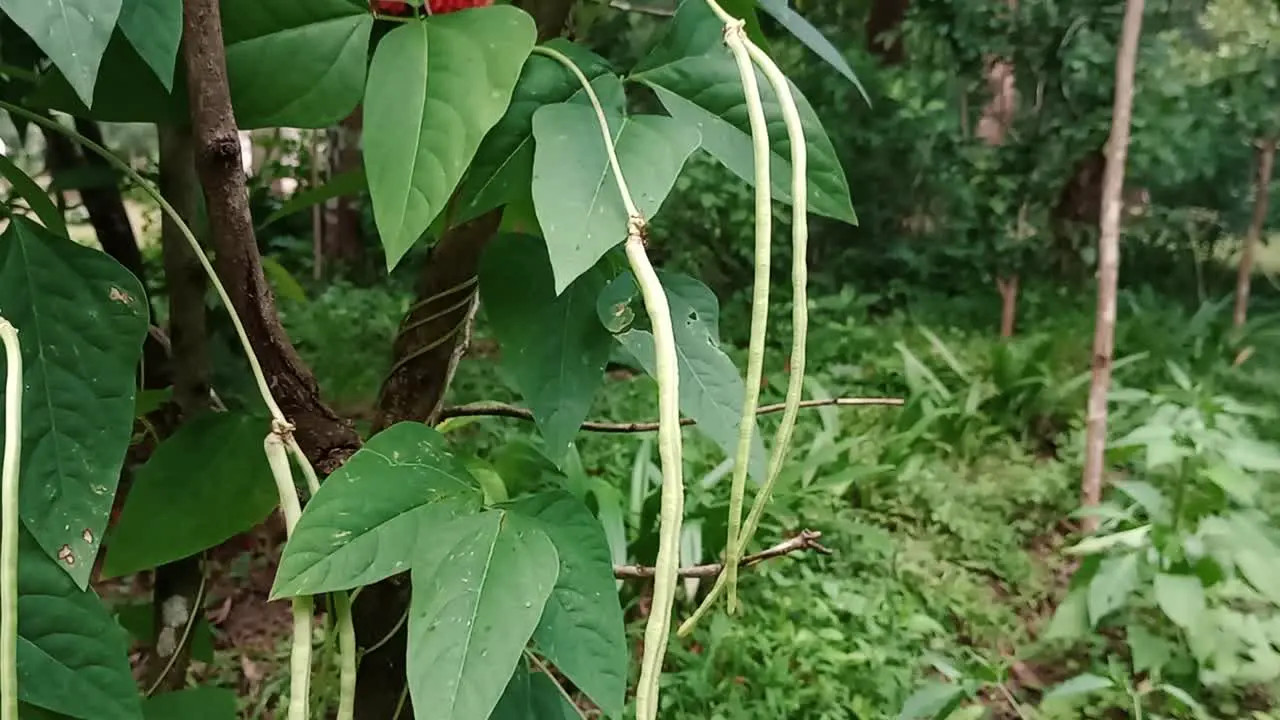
x=806 y=540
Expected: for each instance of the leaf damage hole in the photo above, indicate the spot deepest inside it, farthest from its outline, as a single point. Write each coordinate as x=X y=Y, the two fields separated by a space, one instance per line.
x=120 y=296
x=66 y=556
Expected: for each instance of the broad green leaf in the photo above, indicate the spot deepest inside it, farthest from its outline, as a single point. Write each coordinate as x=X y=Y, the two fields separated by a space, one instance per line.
x=283 y=283
x=807 y=34
x=1078 y=685
x=73 y=33
x=1260 y=571
x=1153 y=502
x=514 y=703
x=370 y=518
x=578 y=202
x=36 y=197
x=81 y=319
x=1071 y=619
x=1185 y=698
x=546 y=702
x=154 y=28
x=581 y=630
x=503 y=166
x=435 y=88
x=1181 y=597
x=213 y=474
x=1147 y=651
x=711 y=388
x=72 y=657
x=553 y=345
x=1116 y=580
x=201 y=703
x=324 y=44
x=697 y=81
x=348 y=183
x=934 y=700
x=479 y=587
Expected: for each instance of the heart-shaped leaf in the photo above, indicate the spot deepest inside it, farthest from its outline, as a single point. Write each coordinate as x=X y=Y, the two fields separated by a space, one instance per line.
x=696 y=79
x=213 y=474
x=575 y=194
x=581 y=630
x=72 y=656
x=436 y=86
x=553 y=345
x=370 y=517
x=73 y=33
x=154 y=28
x=81 y=318
x=479 y=586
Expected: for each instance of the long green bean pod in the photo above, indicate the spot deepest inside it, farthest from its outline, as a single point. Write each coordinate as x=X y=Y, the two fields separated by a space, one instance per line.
x=9 y=522
x=300 y=655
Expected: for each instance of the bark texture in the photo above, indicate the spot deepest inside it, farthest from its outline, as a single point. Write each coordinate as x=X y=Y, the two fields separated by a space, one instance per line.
x=1109 y=259
x=1261 y=198
x=327 y=439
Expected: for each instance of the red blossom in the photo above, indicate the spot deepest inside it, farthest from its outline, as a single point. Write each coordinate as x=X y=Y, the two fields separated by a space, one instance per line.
x=440 y=7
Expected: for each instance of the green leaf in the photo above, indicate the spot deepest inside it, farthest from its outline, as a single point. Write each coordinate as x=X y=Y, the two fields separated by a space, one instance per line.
x=201 y=703
x=514 y=703
x=347 y=183
x=578 y=202
x=154 y=28
x=934 y=700
x=479 y=587
x=1078 y=685
x=36 y=197
x=283 y=283
x=1116 y=580
x=72 y=657
x=553 y=345
x=808 y=35
x=81 y=319
x=1181 y=597
x=213 y=474
x=502 y=170
x=696 y=79
x=546 y=702
x=745 y=10
x=370 y=517
x=324 y=44
x=421 y=129
x=1260 y=571
x=581 y=630
x=73 y=33
x=711 y=389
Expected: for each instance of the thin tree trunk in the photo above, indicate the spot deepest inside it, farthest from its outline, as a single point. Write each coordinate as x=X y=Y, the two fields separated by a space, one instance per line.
x=1008 y=304
x=1109 y=259
x=342 y=239
x=1261 y=196
x=177 y=591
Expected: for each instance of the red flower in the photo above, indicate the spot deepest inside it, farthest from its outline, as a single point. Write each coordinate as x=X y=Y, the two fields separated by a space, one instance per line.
x=440 y=7
x=394 y=8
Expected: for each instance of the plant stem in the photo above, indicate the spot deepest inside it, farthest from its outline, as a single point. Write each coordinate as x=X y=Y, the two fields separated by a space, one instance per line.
x=9 y=522
x=799 y=313
x=300 y=656
x=735 y=37
x=658 y=628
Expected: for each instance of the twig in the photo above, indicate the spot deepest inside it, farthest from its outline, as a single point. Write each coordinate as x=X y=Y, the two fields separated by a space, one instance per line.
x=495 y=409
x=806 y=540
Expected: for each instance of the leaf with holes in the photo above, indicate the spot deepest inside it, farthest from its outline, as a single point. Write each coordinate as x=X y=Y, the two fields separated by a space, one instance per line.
x=81 y=318
x=213 y=474
x=370 y=518
x=503 y=166
x=578 y=202
x=553 y=345
x=479 y=587
x=710 y=387
x=72 y=657
x=696 y=79
x=154 y=28
x=581 y=630
x=435 y=88
x=73 y=33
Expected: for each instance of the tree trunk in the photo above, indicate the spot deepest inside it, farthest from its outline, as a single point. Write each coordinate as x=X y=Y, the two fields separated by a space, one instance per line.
x=177 y=595
x=1109 y=259
x=1261 y=197
x=882 y=26
x=1008 y=304
x=342 y=241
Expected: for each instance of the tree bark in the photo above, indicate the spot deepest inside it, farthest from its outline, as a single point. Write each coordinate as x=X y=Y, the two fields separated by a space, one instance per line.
x=1261 y=197
x=432 y=337
x=1109 y=259
x=342 y=240
x=327 y=439
x=1008 y=304
x=176 y=597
